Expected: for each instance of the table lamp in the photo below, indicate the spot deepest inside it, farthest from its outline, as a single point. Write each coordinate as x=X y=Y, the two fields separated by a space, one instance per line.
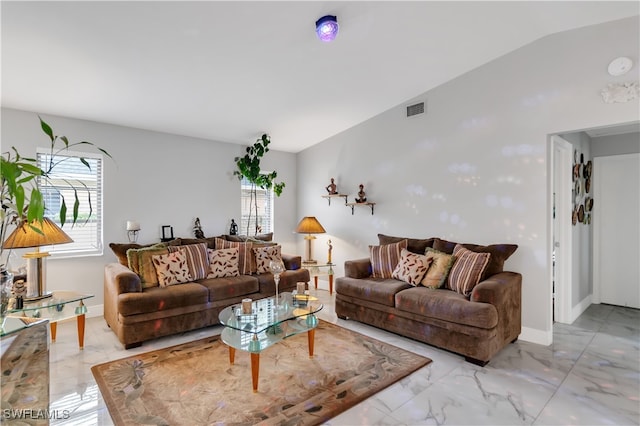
x=309 y=225
x=26 y=236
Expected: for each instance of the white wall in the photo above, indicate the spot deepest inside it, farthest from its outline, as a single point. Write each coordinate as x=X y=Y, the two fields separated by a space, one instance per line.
x=157 y=179
x=628 y=143
x=474 y=168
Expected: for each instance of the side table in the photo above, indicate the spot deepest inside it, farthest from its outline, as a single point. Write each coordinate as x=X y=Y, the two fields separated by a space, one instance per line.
x=320 y=269
x=55 y=309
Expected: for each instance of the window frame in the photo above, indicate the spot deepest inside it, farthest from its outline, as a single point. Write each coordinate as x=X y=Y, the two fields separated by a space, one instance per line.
x=95 y=247
x=268 y=194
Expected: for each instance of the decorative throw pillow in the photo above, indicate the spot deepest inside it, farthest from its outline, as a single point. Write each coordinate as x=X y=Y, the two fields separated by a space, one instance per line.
x=384 y=258
x=244 y=254
x=467 y=269
x=197 y=259
x=414 y=245
x=172 y=268
x=499 y=253
x=223 y=263
x=438 y=271
x=120 y=250
x=264 y=256
x=411 y=268
x=141 y=263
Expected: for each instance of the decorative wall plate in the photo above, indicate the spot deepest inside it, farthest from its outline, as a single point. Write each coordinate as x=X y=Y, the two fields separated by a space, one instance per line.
x=587 y=185
x=581 y=214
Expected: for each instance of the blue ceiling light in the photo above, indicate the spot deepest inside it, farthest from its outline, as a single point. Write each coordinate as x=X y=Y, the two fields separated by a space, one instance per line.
x=327 y=28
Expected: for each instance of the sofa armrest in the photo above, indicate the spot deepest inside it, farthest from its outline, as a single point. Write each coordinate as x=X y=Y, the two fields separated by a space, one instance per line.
x=121 y=279
x=358 y=268
x=504 y=291
x=291 y=261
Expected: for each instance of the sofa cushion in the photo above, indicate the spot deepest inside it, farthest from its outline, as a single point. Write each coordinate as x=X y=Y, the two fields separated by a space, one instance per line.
x=439 y=268
x=467 y=269
x=378 y=290
x=411 y=268
x=264 y=255
x=120 y=250
x=230 y=287
x=223 y=263
x=210 y=242
x=162 y=298
x=171 y=268
x=197 y=259
x=499 y=253
x=384 y=258
x=413 y=245
x=448 y=306
x=243 y=238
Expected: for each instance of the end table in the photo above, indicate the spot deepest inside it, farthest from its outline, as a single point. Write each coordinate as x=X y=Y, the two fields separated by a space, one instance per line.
x=320 y=269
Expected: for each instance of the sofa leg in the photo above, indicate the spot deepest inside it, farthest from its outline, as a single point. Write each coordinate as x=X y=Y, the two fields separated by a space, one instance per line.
x=476 y=361
x=132 y=345
x=514 y=340
x=343 y=317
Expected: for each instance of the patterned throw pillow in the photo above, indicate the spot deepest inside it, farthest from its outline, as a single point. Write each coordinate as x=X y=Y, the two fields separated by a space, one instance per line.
x=411 y=268
x=438 y=271
x=172 y=268
x=223 y=263
x=197 y=259
x=264 y=256
x=244 y=254
x=467 y=269
x=384 y=258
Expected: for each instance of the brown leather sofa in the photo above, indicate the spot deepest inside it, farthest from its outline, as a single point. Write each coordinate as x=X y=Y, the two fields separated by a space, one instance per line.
x=476 y=327
x=137 y=314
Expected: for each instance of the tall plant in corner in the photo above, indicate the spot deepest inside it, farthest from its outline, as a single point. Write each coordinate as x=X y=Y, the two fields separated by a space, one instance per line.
x=249 y=168
x=22 y=200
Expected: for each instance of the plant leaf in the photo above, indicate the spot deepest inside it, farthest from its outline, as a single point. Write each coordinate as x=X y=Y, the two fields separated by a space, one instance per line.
x=47 y=129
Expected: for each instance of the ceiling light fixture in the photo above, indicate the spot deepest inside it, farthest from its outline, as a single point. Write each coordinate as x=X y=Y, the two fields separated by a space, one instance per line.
x=327 y=28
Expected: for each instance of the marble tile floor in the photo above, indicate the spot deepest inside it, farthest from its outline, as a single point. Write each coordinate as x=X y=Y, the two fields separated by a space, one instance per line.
x=590 y=375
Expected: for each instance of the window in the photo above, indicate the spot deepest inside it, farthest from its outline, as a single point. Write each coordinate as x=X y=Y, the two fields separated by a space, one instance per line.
x=265 y=209
x=70 y=172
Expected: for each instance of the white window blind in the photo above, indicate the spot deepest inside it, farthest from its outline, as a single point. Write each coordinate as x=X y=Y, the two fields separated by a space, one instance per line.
x=265 y=209
x=69 y=173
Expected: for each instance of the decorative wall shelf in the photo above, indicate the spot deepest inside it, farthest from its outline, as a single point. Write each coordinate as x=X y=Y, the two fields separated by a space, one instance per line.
x=352 y=205
x=330 y=196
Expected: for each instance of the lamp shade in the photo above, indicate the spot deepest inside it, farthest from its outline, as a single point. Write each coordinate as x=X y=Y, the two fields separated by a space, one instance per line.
x=26 y=236
x=310 y=225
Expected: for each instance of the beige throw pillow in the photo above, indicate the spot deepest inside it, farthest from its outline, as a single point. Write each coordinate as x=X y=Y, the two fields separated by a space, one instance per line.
x=197 y=259
x=171 y=268
x=439 y=268
x=223 y=263
x=411 y=268
x=264 y=256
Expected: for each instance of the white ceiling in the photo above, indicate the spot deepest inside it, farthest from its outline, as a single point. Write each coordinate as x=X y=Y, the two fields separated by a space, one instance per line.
x=229 y=71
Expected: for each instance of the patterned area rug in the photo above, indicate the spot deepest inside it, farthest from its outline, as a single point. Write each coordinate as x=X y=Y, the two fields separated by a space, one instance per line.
x=194 y=383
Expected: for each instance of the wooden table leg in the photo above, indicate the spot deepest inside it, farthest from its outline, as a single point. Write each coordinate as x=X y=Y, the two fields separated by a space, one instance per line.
x=311 y=337
x=54 y=329
x=330 y=284
x=255 y=370
x=232 y=355
x=81 y=321
x=315 y=281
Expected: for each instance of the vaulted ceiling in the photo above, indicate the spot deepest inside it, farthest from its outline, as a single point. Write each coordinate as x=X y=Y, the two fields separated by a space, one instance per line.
x=229 y=71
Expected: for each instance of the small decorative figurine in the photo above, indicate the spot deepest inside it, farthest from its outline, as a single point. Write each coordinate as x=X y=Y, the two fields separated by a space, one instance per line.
x=361 y=195
x=233 y=229
x=330 y=249
x=197 y=229
x=332 y=188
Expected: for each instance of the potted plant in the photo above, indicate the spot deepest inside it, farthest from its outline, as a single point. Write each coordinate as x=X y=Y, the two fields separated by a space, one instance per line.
x=21 y=199
x=249 y=168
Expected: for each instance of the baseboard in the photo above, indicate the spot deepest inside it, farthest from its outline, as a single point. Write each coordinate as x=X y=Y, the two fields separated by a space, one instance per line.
x=95 y=311
x=539 y=337
x=577 y=310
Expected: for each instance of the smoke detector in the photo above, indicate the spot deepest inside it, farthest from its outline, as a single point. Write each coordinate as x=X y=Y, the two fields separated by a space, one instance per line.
x=620 y=66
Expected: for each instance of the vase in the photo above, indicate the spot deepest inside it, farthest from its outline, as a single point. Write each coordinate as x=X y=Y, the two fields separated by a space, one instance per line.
x=6 y=282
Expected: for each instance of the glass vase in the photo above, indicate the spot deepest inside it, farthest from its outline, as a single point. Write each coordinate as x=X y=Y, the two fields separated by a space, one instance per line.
x=6 y=282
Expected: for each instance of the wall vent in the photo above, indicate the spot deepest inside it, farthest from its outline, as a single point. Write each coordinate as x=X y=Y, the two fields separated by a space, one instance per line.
x=415 y=109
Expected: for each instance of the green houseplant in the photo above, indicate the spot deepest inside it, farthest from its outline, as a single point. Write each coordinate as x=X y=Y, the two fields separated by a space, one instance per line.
x=21 y=199
x=248 y=167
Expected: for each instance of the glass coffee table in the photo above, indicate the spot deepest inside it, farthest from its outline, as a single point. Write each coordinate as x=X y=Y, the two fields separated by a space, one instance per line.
x=55 y=308
x=267 y=324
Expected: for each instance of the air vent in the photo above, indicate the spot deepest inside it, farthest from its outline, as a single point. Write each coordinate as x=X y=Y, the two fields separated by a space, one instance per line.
x=415 y=109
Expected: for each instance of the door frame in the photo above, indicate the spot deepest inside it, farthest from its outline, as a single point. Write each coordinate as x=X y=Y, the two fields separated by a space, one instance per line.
x=561 y=229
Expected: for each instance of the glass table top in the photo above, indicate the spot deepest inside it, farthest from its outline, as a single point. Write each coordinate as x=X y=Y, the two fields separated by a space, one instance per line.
x=269 y=323
x=54 y=307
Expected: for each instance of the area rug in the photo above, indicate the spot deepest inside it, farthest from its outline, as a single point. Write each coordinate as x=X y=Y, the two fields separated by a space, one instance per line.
x=194 y=383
